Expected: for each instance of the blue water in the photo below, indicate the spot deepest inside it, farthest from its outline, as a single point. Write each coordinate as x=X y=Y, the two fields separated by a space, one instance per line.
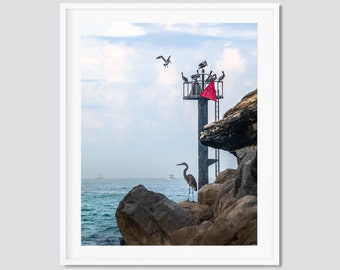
x=100 y=199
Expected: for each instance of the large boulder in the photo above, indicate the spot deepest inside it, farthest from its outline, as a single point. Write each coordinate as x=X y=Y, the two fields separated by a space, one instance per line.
x=236 y=225
x=246 y=175
x=237 y=129
x=201 y=212
x=234 y=221
x=147 y=218
x=209 y=194
x=224 y=176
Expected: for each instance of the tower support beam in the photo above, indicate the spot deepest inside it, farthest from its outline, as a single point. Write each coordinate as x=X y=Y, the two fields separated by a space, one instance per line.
x=192 y=91
x=202 y=149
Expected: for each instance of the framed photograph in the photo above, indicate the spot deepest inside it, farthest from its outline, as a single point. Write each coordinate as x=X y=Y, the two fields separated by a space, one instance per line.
x=169 y=134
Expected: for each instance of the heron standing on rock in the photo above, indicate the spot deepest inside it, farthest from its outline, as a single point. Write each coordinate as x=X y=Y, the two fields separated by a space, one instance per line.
x=190 y=180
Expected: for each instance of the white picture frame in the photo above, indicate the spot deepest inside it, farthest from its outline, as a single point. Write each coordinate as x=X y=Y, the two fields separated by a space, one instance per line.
x=267 y=251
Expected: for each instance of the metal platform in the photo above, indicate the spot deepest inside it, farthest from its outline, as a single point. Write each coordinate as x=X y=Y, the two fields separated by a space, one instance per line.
x=193 y=89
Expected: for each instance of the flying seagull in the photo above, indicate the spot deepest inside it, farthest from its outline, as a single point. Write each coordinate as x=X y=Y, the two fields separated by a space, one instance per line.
x=166 y=61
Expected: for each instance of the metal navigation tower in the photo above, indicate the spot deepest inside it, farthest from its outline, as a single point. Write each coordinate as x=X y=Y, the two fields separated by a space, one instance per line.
x=192 y=90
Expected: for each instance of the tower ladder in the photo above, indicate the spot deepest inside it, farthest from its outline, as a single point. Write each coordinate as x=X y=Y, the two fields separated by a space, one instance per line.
x=217 y=151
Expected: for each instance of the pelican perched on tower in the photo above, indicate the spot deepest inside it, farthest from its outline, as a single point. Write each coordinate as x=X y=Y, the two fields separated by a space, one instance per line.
x=166 y=61
x=190 y=180
x=221 y=77
x=185 y=79
x=209 y=76
x=195 y=76
x=202 y=64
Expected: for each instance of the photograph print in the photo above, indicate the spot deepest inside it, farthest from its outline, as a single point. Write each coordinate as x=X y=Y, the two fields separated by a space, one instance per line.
x=169 y=133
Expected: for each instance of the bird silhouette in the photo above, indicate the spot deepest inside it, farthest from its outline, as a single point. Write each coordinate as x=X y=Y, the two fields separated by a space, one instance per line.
x=212 y=78
x=209 y=77
x=202 y=64
x=166 y=61
x=195 y=76
x=221 y=77
x=185 y=79
x=190 y=180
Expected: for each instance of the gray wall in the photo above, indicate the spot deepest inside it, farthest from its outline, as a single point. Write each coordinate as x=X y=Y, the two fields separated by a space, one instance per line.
x=29 y=140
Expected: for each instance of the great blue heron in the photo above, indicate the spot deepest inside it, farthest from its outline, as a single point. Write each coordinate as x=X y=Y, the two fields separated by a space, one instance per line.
x=221 y=77
x=190 y=180
x=185 y=79
x=166 y=61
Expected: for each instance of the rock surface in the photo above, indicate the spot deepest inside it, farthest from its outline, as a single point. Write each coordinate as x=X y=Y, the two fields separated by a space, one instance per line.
x=237 y=129
x=235 y=217
x=246 y=175
x=209 y=194
x=223 y=176
x=147 y=218
x=226 y=211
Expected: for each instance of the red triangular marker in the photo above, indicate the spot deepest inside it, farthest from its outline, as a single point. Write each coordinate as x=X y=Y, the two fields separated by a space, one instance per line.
x=210 y=91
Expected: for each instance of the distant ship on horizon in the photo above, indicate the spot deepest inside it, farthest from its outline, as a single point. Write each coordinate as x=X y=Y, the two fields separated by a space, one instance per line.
x=99 y=177
x=171 y=176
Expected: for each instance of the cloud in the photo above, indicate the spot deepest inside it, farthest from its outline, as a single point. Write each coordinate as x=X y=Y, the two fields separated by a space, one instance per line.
x=134 y=108
x=236 y=31
x=90 y=61
x=124 y=30
x=106 y=125
x=240 y=78
x=117 y=61
x=231 y=61
x=137 y=99
x=169 y=92
x=106 y=114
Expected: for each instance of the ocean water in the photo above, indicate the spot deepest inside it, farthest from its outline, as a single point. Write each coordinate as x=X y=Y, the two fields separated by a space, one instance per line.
x=100 y=199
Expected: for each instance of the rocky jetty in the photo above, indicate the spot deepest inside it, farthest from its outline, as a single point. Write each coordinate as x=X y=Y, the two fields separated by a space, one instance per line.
x=226 y=211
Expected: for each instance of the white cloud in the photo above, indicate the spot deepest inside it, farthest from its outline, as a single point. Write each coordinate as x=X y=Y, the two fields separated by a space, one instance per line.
x=231 y=61
x=117 y=61
x=137 y=102
x=90 y=61
x=106 y=115
x=169 y=91
x=124 y=30
x=237 y=80
x=141 y=94
x=105 y=125
x=212 y=30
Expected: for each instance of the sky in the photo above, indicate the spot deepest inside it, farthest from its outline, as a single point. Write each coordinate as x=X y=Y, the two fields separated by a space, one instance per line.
x=135 y=123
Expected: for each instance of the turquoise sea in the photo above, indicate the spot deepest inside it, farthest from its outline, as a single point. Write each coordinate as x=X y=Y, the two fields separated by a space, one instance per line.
x=100 y=199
